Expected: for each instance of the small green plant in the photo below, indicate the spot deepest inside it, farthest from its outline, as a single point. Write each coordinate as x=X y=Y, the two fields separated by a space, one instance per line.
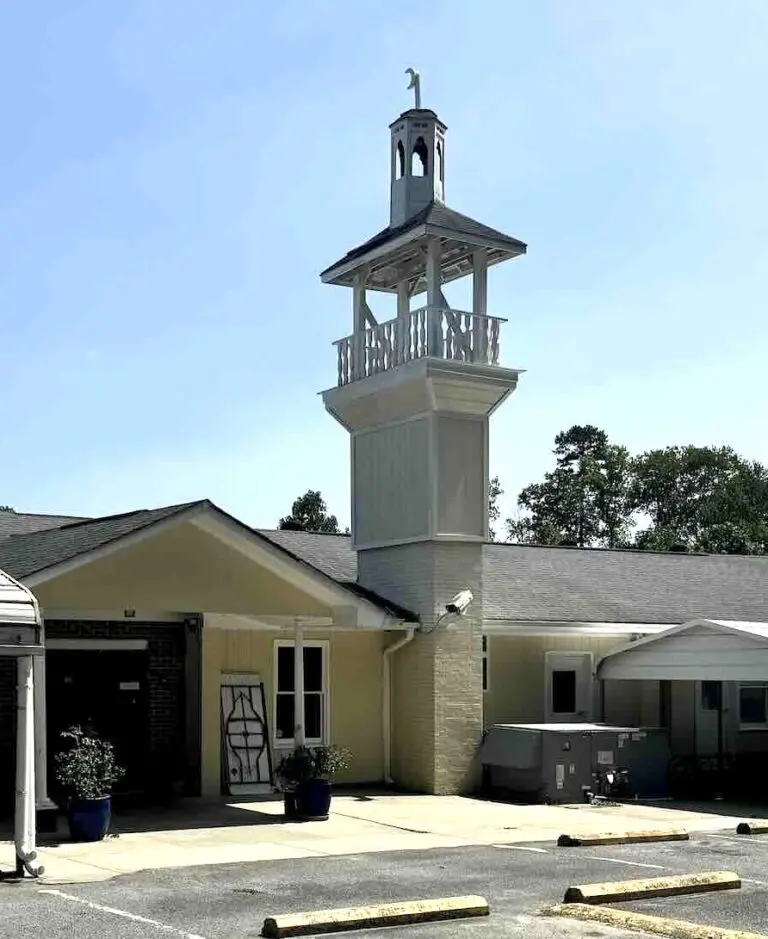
x=329 y=761
x=86 y=768
x=305 y=763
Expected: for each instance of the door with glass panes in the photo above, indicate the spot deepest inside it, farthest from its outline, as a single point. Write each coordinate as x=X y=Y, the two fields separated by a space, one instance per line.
x=568 y=687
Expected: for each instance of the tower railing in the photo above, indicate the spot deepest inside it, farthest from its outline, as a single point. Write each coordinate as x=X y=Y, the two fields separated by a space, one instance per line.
x=435 y=332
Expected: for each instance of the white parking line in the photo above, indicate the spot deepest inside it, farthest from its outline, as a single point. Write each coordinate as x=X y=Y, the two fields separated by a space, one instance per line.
x=520 y=847
x=618 y=860
x=122 y=913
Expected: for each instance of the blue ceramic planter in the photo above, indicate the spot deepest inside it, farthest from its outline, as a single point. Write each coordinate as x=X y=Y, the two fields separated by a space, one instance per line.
x=89 y=818
x=313 y=800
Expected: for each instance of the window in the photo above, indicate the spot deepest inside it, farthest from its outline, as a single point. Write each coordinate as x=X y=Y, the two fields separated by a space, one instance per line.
x=753 y=707
x=711 y=693
x=400 y=160
x=420 y=158
x=485 y=663
x=563 y=691
x=315 y=692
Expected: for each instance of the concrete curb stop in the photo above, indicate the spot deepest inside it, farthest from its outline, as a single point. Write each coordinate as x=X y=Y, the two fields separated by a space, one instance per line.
x=368 y=917
x=620 y=890
x=628 y=837
x=641 y=922
x=752 y=828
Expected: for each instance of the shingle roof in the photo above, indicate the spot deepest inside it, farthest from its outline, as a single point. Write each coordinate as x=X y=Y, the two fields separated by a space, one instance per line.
x=522 y=582
x=25 y=554
x=544 y=584
x=331 y=554
x=22 y=523
x=438 y=215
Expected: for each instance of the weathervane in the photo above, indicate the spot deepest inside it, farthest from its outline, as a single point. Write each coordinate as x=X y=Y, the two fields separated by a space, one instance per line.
x=416 y=85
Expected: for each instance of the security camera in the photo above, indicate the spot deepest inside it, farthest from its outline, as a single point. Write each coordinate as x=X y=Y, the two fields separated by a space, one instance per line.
x=460 y=603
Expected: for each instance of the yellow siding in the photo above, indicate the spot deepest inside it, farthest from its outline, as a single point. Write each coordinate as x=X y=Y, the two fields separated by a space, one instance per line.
x=354 y=681
x=517 y=676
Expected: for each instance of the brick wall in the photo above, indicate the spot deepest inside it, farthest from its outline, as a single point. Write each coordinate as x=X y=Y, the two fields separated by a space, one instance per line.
x=437 y=678
x=166 y=686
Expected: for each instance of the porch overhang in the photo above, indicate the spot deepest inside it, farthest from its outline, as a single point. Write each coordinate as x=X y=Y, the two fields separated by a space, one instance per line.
x=20 y=622
x=699 y=650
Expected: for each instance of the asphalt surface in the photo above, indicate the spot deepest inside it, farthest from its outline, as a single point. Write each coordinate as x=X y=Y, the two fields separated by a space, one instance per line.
x=231 y=902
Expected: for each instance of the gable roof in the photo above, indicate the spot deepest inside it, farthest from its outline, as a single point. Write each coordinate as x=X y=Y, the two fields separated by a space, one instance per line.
x=25 y=554
x=538 y=584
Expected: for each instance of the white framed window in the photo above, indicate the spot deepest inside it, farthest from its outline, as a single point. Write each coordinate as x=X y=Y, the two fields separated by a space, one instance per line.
x=316 y=695
x=753 y=707
x=486 y=673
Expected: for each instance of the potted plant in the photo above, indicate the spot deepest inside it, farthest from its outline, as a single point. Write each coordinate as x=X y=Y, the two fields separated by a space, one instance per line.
x=294 y=770
x=306 y=775
x=87 y=772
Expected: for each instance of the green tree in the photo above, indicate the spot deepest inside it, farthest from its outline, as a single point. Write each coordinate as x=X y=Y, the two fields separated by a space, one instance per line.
x=584 y=500
x=494 y=512
x=310 y=513
x=701 y=499
x=7 y=508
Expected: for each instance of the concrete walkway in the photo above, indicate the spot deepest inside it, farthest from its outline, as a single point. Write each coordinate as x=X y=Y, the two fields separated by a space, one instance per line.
x=204 y=833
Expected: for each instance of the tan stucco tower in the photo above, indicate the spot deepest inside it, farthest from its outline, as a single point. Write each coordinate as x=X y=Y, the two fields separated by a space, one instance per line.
x=415 y=393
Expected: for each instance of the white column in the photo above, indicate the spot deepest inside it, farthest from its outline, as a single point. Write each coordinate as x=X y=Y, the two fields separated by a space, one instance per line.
x=480 y=304
x=403 y=324
x=434 y=302
x=480 y=281
x=358 y=310
x=24 y=823
x=298 y=685
x=42 y=800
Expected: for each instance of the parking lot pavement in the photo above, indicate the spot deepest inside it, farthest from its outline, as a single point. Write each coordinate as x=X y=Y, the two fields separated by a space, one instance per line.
x=745 y=909
x=231 y=901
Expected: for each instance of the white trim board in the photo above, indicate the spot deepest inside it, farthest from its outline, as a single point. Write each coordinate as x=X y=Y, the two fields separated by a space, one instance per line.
x=114 y=616
x=525 y=629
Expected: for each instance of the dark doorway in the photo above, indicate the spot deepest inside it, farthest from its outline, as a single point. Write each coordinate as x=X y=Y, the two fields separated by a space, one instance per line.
x=108 y=692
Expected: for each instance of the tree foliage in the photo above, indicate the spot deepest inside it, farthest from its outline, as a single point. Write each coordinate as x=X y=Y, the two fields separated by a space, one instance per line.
x=681 y=498
x=494 y=512
x=310 y=513
x=584 y=500
x=7 y=508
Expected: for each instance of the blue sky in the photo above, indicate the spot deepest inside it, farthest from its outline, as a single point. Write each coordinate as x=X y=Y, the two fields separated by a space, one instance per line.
x=173 y=177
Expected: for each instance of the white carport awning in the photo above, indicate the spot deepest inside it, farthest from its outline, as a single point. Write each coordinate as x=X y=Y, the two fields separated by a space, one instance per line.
x=19 y=619
x=700 y=650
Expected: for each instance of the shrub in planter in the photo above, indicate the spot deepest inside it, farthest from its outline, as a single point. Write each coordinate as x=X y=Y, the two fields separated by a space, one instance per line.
x=87 y=772
x=305 y=776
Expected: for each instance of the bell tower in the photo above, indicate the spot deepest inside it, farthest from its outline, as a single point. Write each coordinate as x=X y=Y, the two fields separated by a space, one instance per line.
x=416 y=391
x=418 y=159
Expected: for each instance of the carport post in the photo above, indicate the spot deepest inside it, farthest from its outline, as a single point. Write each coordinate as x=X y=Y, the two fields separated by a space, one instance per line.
x=298 y=684
x=24 y=825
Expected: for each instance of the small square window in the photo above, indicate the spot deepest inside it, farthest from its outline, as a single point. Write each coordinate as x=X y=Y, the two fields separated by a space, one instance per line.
x=753 y=706
x=711 y=695
x=564 y=692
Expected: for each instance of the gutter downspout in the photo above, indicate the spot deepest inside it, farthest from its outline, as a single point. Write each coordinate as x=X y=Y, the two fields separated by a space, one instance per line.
x=386 y=708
